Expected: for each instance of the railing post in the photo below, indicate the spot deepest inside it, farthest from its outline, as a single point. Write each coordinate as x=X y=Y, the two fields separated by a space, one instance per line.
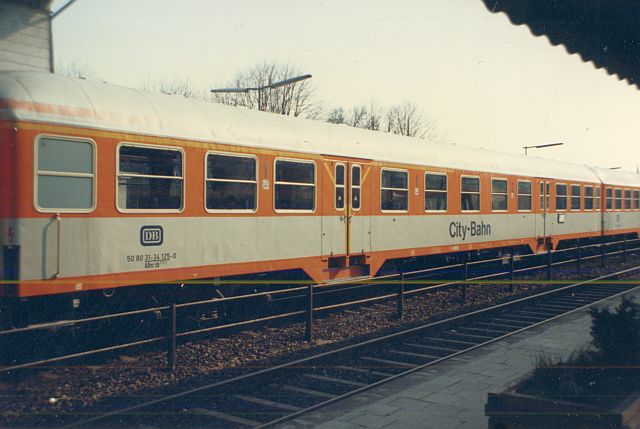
x=309 y=330
x=511 y=264
x=549 y=261
x=171 y=349
x=463 y=288
x=578 y=258
x=401 y=297
x=624 y=249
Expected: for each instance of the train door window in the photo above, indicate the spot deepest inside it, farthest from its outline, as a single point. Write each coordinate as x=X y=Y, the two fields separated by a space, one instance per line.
x=575 y=197
x=636 y=200
x=65 y=175
x=588 y=197
x=524 y=195
x=339 y=186
x=394 y=190
x=617 y=199
x=598 y=198
x=627 y=199
x=150 y=178
x=561 y=196
x=231 y=183
x=609 y=198
x=435 y=192
x=470 y=194
x=355 y=187
x=499 y=195
x=295 y=185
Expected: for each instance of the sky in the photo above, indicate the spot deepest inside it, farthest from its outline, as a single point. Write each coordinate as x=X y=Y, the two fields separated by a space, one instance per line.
x=485 y=82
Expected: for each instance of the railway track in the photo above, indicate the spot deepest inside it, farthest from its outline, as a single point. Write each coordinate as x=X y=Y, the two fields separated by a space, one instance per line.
x=270 y=396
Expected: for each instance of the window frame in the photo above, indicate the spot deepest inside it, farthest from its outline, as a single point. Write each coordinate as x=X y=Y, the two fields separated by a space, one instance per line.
x=616 y=199
x=336 y=186
x=626 y=199
x=585 y=197
x=36 y=174
x=608 y=197
x=598 y=197
x=315 y=184
x=530 y=194
x=635 y=199
x=506 y=194
x=566 y=189
x=466 y=176
x=382 y=169
x=352 y=187
x=445 y=192
x=206 y=179
x=151 y=146
x=571 y=197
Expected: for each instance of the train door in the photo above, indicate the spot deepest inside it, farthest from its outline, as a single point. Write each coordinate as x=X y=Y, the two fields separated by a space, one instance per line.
x=543 y=220
x=346 y=234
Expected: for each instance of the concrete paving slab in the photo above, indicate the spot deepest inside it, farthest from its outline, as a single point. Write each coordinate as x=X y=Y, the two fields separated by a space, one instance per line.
x=452 y=394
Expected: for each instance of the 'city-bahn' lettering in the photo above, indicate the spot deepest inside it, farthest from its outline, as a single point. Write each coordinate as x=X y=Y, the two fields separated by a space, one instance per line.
x=472 y=229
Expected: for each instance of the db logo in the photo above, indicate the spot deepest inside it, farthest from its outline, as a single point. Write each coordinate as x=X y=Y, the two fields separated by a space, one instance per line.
x=151 y=235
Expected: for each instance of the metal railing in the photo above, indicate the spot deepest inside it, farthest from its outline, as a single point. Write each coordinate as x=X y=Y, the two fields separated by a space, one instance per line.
x=409 y=283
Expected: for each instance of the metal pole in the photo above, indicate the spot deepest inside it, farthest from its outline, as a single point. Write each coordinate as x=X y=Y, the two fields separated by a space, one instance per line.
x=579 y=258
x=463 y=288
x=511 y=264
x=624 y=249
x=309 y=332
x=549 y=262
x=171 y=352
x=603 y=254
x=401 y=297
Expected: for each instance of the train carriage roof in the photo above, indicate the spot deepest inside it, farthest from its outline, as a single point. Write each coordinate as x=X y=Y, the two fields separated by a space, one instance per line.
x=48 y=98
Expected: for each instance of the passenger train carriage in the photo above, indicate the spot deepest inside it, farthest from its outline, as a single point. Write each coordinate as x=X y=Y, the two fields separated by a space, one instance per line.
x=105 y=188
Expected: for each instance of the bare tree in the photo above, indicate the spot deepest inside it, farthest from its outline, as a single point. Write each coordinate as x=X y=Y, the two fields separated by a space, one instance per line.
x=336 y=116
x=75 y=69
x=174 y=87
x=407 y=119
x=359 y=116
x=295 y=99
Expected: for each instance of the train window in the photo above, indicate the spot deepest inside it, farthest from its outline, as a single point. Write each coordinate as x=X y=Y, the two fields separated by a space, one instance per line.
x=588 y=197
x=597 y=198
x=355 y=187
x=617 y=199
x=524 y=195
x=394 y=190
x=339 y=187
x=231 y=182
x=636 y=200
x=150 y=178
x=561 y=196
x=65 y=174
x=627 y=199
x=575 y=197
x=470 y=194
x=609 y=198
x=295 y=185
x=499 y=195
x=435 y=192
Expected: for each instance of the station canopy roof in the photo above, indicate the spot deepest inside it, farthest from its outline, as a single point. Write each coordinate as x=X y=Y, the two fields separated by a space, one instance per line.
x=35 y=4
x=603 y=32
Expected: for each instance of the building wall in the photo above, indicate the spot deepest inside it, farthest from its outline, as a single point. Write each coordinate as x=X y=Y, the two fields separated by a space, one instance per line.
x=25 y=38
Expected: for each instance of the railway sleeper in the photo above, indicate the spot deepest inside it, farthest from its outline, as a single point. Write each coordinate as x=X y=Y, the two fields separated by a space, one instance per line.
x=474 y=338
x=493 y=332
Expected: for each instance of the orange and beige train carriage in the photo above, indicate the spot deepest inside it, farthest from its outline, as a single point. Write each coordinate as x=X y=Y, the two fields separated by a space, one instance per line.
x=105 y=188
